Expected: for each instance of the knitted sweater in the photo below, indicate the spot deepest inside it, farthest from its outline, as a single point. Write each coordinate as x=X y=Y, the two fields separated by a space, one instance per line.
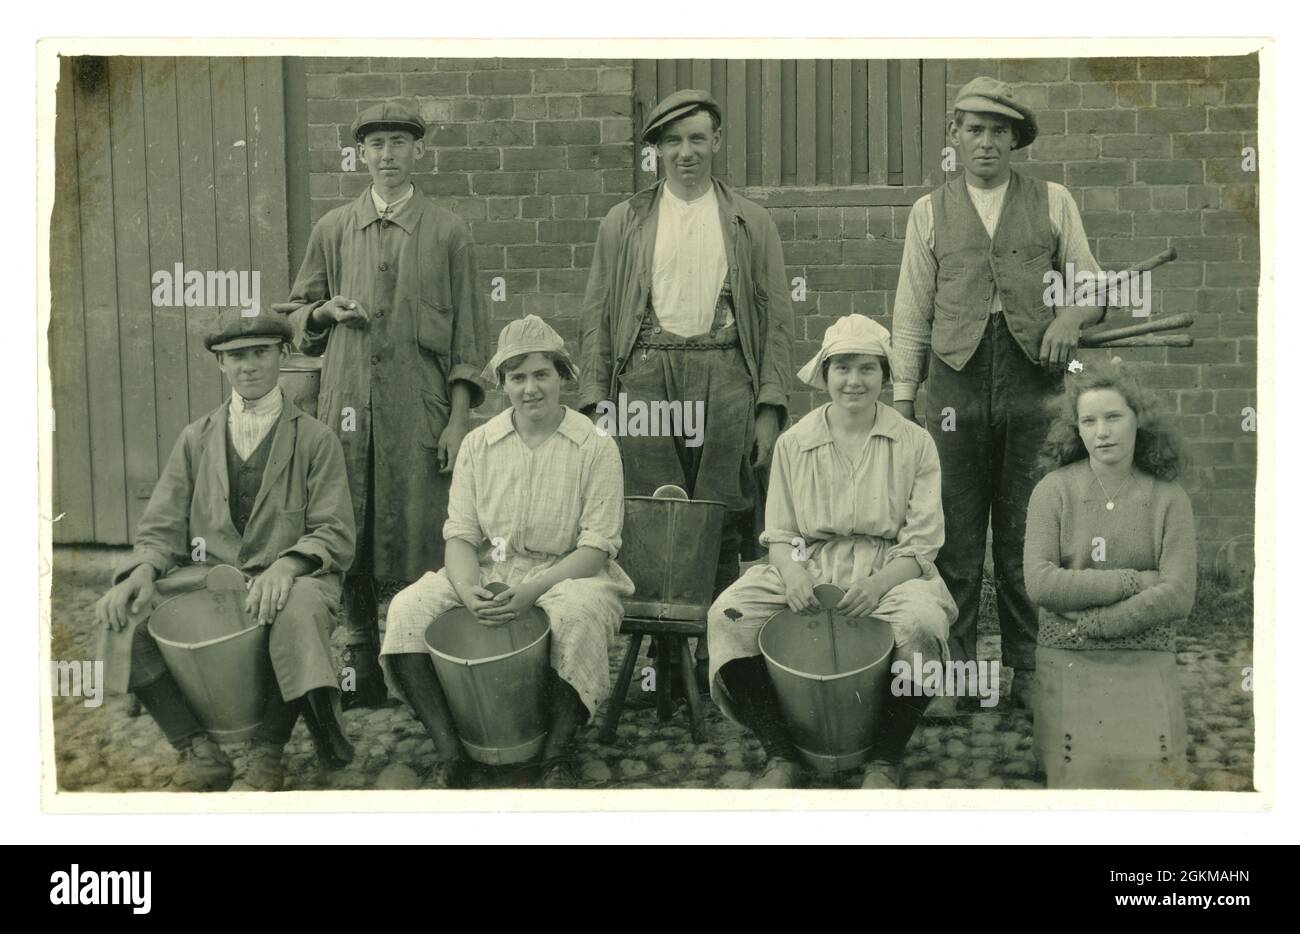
x=1080 y=556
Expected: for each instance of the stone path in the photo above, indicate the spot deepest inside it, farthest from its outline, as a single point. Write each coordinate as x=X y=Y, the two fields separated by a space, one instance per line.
x=103 y=749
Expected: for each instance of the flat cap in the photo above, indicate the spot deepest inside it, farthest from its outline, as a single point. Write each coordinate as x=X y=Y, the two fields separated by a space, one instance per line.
x=991 y=96
x=235 y=329
x=390 y=115
x=675 y=106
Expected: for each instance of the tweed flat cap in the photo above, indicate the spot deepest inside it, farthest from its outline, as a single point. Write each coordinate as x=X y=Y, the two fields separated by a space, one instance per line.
x=234 y=330
x=991 y=96
x=674 y=107
x=390 y=115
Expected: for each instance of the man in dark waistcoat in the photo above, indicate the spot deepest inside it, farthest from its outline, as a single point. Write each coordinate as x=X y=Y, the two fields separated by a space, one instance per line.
x=971 y=314
x=387 y=293
x=258 y=485
x=687 y=302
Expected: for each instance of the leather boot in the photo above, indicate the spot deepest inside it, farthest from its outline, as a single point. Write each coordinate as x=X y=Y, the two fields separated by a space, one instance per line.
x=203 y=767
x=360 y=670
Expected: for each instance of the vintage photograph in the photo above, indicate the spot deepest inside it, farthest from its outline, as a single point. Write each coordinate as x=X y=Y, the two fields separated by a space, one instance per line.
x=742 y=423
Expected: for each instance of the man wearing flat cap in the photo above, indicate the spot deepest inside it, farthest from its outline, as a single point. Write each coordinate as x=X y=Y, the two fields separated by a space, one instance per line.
x=687 y=300
x=388 y=294
x=258 y=485
x=971 y=320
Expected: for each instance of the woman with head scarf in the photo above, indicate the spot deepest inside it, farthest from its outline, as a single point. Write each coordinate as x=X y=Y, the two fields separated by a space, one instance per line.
x=536 y=504
x=1110 y=559
x=854 y=501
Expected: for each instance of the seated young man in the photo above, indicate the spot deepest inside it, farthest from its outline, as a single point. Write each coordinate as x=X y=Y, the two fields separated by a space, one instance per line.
x=259 y=485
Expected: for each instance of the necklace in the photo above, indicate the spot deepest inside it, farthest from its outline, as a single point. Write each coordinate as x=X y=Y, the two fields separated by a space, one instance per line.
x=1110 y=500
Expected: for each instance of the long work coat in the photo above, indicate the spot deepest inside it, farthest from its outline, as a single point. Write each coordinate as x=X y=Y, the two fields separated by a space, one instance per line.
x=302 y=507
x=414 y=274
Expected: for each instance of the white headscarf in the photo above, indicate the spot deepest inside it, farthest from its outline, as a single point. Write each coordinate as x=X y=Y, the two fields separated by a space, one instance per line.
x=526 y=335
x=850 y=334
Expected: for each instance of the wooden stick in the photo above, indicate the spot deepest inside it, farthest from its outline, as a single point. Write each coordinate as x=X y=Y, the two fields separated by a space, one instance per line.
x=1151 y=340
x=1101 y=286
x=1171 y=323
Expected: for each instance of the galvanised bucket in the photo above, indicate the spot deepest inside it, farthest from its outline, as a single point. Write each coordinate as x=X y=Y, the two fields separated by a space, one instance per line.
x=217 y=655
x=494 y=678
x=670 y=550
x=832 y=676
x=300 y=381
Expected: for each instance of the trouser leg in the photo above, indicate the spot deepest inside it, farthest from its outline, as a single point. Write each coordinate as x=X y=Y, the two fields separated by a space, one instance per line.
x=278 y=717
x=757 y=706
x=159 y=693
x=1022 y=391
x=958 y=417
x=902 y=714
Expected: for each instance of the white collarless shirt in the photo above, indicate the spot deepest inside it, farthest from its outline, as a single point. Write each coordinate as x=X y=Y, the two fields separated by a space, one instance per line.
x=250 y=421
x=690 y=263
x=383 y=206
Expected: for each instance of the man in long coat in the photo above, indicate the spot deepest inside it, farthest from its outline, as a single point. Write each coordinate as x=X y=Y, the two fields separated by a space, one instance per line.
x=387 y=293
x=258 y=485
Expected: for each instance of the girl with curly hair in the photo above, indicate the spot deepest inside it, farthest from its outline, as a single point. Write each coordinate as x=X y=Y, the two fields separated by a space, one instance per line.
x=1110 y=559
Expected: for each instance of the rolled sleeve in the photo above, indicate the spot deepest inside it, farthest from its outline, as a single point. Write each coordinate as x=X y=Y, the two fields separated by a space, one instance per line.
x=601 y=522
x=921 y=535
x=1071 y=239
x=310 y=291
x=780 y=520
x=914 y=303
x=462 y=510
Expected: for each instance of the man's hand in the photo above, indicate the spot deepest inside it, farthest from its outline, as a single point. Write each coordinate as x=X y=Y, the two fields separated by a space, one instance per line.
x=862 y=597
x=767 y=424
x=1061 y=341
x=907 y=409
x=340 y=310
x=449 y=443
x=269 y=591
x=798 y=587
x=124 y=600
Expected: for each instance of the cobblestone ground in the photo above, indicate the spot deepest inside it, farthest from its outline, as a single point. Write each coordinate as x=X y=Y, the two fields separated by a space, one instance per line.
x=103 y=749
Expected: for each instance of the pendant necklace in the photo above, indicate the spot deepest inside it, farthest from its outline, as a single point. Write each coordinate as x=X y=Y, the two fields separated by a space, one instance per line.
x=1110 y=500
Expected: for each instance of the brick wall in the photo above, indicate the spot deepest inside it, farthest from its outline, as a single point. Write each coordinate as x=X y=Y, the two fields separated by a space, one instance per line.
x=533 y=152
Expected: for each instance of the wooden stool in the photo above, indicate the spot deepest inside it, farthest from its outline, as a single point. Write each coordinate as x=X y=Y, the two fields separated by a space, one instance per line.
x=669 y=637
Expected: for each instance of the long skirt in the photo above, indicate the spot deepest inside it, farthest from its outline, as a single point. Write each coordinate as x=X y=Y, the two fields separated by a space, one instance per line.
x=1110 y=718
x=584 y=614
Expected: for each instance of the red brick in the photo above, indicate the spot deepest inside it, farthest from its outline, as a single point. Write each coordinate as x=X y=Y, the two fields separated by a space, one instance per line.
x=468 y=209
x=535 y=207
x=533 y=158
x=1065 y=148
x=1114 y=172
x=1133 y=146
x=1242 y=91
x=331 y=111
x=569 y=207
x=1096 y=96
x=1171 y=68
x=568 y=231
x=817 y=252
x=495 y=83
x=1233 y=376
x=501 y=133
x=599 y=157
x=1135 y=199
x=1170 y=120
x=530 y=108
x=539 y=257
x=566 y=182
x=570 y=80
x=606 y=105
x=464 y=110
x=1235 y=66
x=1169 y=198
x=505 y=232
x=1170 y=172
x=354 y=86
x=1170 y=224
x=1207 y=145
x=504 y=183
x=616 y=130
x=563 y=108
x=1195 y=401
x=1202 y=197
x=457 y=160
x=1231 y=222
x=503 y=209
x=433 y=84
x=1233 y=118
x=498 y=108
x=1135 y=94
x=572 y=132
x=447 y=134
x=1171 y=94
x=1100 y=121
x=1218 y=275
x=614 y=81
x=1103 y=69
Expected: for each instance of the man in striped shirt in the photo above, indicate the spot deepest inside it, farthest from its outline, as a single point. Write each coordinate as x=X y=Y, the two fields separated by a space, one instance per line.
x=971 y=319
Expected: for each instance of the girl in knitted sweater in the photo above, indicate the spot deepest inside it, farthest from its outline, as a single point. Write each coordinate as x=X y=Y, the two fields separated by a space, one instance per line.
x=1110 y=559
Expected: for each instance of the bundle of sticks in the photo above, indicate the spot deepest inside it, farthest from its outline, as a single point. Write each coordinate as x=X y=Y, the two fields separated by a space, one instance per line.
x=1148 y=333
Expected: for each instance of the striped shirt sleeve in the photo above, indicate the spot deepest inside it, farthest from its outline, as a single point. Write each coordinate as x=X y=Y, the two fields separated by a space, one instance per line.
x=914 y=301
